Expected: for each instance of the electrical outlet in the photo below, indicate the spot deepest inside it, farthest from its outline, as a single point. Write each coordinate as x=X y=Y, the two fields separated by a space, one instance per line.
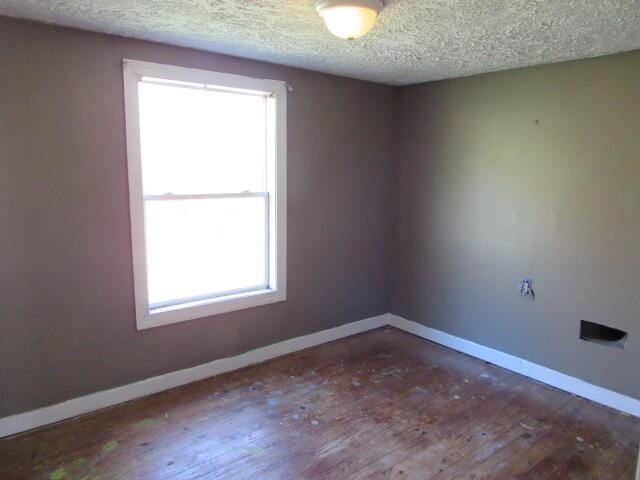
x=526 y=288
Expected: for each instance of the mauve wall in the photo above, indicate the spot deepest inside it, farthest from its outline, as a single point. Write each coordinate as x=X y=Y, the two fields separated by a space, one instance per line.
x=67 y=325
x=525 y=172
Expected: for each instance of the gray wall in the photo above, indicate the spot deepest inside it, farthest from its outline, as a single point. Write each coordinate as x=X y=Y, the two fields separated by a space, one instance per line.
x=525 y=172
x=67 y=324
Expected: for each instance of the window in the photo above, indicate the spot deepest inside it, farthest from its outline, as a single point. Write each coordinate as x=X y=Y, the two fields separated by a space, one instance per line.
x=206 y=156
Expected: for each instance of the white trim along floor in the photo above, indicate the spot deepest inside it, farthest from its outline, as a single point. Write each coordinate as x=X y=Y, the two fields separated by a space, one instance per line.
x=107 y=398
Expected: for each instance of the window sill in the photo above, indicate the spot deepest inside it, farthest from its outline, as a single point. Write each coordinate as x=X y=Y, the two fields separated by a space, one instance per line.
x=206 y=308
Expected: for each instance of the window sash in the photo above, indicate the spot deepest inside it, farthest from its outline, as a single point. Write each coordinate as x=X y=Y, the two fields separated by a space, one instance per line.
x=204 y=86
x=209 y=296
x=205 y=196
x=213 y=295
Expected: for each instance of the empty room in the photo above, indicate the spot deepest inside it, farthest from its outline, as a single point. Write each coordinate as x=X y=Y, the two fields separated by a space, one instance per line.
x=319 y=240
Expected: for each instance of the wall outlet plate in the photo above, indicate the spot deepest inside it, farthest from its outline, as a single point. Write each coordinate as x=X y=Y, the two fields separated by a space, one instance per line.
x=526 y=287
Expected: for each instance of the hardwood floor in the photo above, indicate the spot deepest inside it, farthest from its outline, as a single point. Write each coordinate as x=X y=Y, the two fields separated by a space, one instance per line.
x=383 y=404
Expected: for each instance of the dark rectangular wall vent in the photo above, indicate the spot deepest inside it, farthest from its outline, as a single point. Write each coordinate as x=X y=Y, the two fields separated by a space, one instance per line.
x=603 y=335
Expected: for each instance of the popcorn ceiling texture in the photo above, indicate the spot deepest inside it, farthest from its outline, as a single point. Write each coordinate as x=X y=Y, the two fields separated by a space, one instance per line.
x=414 y=40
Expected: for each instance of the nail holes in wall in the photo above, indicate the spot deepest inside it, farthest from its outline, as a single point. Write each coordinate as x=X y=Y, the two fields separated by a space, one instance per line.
x=602 y=335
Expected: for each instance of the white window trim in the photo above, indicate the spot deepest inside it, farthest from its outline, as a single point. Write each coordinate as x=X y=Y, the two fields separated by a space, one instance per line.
x=133 y=70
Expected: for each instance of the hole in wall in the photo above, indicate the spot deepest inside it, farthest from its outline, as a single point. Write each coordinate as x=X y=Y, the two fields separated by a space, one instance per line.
x=602 y=335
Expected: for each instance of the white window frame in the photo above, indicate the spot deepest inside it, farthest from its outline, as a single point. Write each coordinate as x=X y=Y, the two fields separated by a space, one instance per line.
x=275 y=291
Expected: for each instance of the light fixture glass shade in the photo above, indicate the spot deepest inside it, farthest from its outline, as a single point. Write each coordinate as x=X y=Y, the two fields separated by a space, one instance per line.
x=349 y=19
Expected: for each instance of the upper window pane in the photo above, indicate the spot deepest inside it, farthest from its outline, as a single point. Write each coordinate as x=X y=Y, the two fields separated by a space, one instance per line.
x=196 y=141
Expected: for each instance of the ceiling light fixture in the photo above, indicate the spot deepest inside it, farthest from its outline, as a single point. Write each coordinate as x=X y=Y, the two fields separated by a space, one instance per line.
x=349 y=19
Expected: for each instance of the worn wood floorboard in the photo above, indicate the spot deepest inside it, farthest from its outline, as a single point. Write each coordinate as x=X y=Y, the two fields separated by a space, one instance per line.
x=380 y=405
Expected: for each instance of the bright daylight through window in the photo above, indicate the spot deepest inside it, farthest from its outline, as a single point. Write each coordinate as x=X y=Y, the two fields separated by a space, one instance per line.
x=206 y=155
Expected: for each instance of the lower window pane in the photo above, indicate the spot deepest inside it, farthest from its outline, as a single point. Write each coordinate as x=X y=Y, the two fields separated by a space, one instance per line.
x=199 y=248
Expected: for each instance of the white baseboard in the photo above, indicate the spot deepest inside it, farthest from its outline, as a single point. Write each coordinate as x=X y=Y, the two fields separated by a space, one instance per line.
x=107 y=398
x=532 y=370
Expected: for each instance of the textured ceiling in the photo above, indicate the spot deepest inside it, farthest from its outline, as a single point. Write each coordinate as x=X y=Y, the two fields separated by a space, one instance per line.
x=413 y=41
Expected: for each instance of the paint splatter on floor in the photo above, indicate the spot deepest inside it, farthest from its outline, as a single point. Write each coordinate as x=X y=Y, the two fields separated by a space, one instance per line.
x=109 y=446
x=58 y=474
x=256 y=451
x=147 y=422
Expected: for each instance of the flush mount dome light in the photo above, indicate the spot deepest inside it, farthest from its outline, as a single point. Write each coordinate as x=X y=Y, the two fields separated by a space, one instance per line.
x=349 y=19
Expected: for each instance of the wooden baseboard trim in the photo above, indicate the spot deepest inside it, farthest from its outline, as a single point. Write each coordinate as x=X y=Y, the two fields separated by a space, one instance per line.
x=114 y=396
x=524 y=367
x=108 y=398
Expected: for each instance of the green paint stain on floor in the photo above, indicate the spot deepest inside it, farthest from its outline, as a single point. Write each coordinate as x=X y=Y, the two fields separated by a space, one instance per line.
x=58 y=474
x=109 y=446
x=257 y=451
x=147 y=422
